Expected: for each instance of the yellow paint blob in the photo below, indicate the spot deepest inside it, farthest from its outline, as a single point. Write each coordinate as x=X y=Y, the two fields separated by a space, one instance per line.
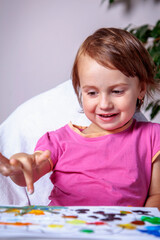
x=125 y=212
x=76 y=221
x=12 y=211
x=55 y=226
x=127 y=226
x=36 y=212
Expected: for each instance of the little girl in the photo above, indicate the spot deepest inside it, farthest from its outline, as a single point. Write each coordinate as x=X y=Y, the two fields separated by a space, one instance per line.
x=115 y=160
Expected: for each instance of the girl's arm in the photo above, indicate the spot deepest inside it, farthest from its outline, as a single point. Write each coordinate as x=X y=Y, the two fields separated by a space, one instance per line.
x=25 y=169
x=153 y=199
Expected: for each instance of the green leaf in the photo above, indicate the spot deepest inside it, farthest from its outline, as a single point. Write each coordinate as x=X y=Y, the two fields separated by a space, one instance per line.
x=154 y=107
x=149 y=106
x=157 y=76
x=155 y=110
x=155 y=33
x=142 y=33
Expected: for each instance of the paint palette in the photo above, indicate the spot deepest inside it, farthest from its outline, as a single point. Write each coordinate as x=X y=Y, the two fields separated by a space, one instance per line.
x=79 y=222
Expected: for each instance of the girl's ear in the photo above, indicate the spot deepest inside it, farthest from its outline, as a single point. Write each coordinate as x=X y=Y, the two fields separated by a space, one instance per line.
x=142 y=92
x=143 y=89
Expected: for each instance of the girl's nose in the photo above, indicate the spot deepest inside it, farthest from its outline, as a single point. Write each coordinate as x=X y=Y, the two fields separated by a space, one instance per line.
x=105 y=103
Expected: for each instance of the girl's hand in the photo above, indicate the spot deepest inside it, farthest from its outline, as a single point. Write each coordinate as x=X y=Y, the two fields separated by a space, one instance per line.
x=24 y=169
x=6 y=168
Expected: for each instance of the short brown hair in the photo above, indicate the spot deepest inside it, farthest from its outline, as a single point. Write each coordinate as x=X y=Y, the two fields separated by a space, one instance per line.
x=116 y=48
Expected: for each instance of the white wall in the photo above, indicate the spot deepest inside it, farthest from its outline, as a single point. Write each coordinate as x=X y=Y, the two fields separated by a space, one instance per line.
x=39 y=40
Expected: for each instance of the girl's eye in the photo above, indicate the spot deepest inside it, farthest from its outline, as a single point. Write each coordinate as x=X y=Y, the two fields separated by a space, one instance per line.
x=92 y=93
x=117 y=91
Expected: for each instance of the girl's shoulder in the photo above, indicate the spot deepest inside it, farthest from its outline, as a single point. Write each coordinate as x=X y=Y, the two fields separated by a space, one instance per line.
x=146 y=128
x=146 y=125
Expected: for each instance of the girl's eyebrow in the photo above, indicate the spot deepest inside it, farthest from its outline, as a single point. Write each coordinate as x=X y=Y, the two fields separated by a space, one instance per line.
x=111 y=86
x=119 y=85
x=88 y=86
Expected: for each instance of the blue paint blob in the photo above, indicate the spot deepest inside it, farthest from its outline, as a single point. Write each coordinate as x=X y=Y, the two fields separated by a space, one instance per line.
x=152 y=230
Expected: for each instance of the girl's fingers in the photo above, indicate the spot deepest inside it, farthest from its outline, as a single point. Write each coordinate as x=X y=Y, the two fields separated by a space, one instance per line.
x=26 y=168
x=26 y=164
x=3 y=159
x=4 y=163
x=28 y=175
x=15 y=163
x=6 y=168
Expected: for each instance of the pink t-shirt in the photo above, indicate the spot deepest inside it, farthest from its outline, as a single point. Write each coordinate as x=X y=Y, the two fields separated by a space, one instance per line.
x=109 y=170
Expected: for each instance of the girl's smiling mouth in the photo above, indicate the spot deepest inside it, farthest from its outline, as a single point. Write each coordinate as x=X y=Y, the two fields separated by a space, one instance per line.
x=111 y=115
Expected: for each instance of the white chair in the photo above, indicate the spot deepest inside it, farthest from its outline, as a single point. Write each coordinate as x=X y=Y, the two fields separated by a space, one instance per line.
x=21 y=130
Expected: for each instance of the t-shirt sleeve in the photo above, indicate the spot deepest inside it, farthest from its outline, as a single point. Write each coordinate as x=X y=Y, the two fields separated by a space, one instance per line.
x=48 y=142
x=155 y=133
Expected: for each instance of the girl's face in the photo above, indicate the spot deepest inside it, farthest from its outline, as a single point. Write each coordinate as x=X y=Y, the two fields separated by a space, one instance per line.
x=108 y=96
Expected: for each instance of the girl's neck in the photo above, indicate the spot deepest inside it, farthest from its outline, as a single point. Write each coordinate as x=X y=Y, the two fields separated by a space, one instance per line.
x=96 y=129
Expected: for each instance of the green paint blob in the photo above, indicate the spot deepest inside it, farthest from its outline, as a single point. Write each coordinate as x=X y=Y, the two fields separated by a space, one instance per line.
x=87 y=230
x=153 y=220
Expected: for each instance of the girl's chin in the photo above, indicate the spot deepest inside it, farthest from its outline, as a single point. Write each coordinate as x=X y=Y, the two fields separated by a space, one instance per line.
x=105 y=127
x=114 y=127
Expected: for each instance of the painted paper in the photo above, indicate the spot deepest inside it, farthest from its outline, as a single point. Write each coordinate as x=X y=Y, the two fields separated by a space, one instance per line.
x=80 y=222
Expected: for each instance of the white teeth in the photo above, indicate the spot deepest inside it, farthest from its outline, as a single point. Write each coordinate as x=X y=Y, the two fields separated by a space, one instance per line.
x=103 y=115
